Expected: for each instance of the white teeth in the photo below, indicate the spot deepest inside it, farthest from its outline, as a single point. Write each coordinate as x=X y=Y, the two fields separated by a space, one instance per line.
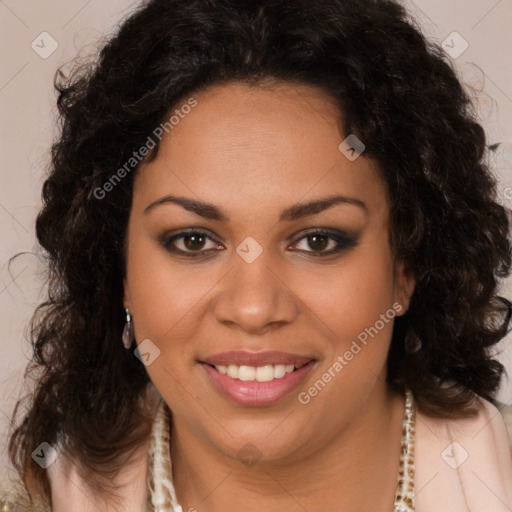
x=258 y=373
x=247 y=373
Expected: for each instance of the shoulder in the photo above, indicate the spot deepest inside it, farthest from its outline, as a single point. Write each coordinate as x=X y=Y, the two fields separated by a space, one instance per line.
x=15 y=498
x=464 y=463
x=71 y=491
x=506 y=412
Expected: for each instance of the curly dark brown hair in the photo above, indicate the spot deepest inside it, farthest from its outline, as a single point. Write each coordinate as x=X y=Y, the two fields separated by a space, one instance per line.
x=398 y=93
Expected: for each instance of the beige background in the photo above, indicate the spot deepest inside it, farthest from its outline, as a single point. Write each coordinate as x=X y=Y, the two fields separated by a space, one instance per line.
x=27 y=126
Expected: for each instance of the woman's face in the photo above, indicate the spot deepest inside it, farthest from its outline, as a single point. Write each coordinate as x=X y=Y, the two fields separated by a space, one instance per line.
x=252 y=276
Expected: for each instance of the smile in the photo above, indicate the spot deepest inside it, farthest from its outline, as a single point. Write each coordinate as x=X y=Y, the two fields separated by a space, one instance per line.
x=264 y=373
x=256 y=386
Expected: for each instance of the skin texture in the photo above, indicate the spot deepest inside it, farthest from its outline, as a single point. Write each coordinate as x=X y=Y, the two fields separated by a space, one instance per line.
x=253 y=151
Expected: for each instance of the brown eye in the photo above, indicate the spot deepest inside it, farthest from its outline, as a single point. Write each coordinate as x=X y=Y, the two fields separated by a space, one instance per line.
x=189 y=242
x=319 y=240
x=194 y=242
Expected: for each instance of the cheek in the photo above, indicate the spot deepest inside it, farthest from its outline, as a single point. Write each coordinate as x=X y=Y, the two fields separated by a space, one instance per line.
x=166 y=301
x=348 y=302
x=163 y=293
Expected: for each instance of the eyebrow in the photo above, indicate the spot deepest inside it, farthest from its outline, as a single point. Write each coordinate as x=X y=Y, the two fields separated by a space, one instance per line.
x=291 y=213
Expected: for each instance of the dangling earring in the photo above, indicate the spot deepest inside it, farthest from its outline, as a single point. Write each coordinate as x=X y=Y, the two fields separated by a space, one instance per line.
x=412 y=346
x=128 y=335
x=412 y=342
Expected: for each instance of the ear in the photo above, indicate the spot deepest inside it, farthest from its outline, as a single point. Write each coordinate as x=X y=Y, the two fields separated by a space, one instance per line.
x=126 y=296
x=405 y=283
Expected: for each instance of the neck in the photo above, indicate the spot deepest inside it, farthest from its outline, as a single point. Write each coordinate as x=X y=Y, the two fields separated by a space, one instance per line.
x=355 y=469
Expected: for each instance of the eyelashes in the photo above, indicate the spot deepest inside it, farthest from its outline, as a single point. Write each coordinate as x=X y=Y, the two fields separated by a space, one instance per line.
x=317 y=238
x=195 y=235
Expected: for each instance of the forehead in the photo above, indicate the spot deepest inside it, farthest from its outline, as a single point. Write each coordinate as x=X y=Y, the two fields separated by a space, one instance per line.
x=244 y=145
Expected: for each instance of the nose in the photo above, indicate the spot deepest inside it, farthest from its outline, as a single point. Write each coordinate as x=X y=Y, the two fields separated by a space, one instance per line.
x=255 y=297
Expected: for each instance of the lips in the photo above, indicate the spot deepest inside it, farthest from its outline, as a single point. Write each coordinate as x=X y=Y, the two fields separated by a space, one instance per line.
x=245 y=358
x=257 y=394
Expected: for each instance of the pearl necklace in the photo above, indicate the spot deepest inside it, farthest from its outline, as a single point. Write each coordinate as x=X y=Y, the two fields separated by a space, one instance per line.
x=161 y=495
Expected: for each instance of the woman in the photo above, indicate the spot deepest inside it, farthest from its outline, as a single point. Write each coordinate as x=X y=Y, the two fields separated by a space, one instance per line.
x=283 y=212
